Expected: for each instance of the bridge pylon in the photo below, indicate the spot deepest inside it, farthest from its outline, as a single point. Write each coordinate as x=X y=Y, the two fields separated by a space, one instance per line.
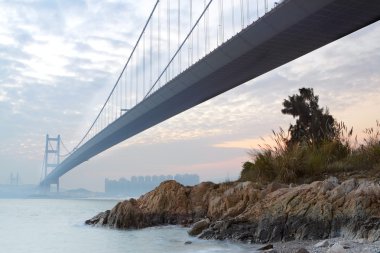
x=51 y=160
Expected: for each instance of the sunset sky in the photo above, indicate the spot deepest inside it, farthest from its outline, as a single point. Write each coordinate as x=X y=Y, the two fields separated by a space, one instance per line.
x=60 y=59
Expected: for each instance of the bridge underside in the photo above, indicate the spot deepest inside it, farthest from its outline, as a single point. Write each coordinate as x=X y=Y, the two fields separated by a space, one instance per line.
x=291 y=30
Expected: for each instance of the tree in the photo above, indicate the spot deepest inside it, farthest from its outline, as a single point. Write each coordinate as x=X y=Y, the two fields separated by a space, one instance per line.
x=314 y=125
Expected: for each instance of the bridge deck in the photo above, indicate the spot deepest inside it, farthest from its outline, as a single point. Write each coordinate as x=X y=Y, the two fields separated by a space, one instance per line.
x=291 y=30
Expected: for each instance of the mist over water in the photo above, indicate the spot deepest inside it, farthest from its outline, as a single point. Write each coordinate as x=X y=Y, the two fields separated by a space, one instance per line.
x=57 y=225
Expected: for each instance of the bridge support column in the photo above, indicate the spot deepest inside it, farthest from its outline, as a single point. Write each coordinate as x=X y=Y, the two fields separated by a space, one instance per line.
x=51 y=161
x=57 y=185
x=44 y=189
x=47 y=188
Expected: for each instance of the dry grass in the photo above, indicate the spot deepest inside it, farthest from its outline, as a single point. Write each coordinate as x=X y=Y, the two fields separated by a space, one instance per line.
x=303 y=162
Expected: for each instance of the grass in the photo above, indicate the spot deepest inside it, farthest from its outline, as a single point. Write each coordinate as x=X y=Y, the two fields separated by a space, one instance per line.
x=303 y=163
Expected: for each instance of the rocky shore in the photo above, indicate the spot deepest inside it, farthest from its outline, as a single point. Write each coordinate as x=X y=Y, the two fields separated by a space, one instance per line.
x=334 y=245
x=242 y=211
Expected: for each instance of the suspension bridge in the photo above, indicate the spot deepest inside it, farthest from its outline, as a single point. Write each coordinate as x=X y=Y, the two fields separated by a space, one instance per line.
x=191 y=51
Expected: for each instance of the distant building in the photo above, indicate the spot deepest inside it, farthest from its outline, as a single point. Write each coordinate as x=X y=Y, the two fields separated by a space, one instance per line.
x=139 y=185
x=14 y=179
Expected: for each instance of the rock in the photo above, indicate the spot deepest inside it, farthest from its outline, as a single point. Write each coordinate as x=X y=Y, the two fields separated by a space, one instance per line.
x=127 y=214
x=302 y=250
x=218 y=225
x=360 y=241
x=345 y=244
x=242 y=212
x=188 y=242
x=329 y=184
x=99 y=219
x=198 y=227
x=333 y=180
x=271 y=251
x=274 y=187
x=266 y=247
x=336 y=248
x=321 y=244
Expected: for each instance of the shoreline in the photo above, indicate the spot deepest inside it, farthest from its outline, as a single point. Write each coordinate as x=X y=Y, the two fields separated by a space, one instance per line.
x=243 y=212
x=332 y=245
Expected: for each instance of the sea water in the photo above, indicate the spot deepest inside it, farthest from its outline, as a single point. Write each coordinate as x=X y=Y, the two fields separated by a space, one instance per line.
x=57 y=225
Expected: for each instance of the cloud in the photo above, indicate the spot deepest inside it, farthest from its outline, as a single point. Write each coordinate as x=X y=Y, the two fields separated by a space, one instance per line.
x=7 y=40
x=246 y=144
x=3 y=96
x=59 y=61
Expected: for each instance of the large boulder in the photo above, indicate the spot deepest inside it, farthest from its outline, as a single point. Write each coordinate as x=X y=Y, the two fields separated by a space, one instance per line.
x=240 y=211
x=99 y=219
x=312 y=211
x=198 y=227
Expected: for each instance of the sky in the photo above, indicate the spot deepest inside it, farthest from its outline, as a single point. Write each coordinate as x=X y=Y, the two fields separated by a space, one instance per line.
x=60 y=59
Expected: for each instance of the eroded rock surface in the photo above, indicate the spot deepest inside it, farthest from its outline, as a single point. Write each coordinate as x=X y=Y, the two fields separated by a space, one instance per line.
x=242 y=212
x=198 y=227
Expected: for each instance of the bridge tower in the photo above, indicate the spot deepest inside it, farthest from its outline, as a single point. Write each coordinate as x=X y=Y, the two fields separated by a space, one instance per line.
x=51 y=160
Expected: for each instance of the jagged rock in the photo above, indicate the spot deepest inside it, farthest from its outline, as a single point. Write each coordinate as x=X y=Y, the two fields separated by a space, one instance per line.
x=240 y=211
x=322 y=244
x=336 y=248
x=99 y=219
x=198 y=227
x=345 y=244
x=274 y=187
x=360 y=240
x=266 y=247
x=302 y=250
x=271 y=251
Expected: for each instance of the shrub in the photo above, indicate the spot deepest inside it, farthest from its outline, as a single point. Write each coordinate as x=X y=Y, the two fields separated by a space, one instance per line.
x=303 y=161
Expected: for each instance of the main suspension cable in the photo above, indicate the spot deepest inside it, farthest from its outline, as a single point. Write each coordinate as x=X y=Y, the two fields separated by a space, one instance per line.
x=118 y=79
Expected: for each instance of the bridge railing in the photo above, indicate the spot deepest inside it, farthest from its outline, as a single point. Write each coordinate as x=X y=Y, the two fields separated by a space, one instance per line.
x=176 y=35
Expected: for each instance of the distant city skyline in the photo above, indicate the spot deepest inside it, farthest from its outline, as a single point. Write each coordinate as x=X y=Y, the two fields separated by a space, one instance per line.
x=138 y=185
x=60 y=59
